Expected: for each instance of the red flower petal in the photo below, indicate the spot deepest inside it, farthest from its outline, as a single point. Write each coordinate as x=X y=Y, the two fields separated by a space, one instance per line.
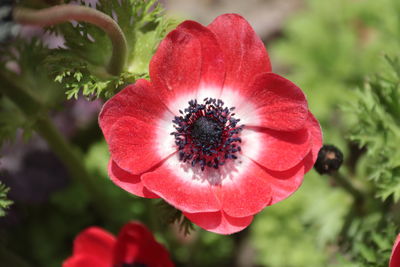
x=246 y=190
x=285 y=183
x=278 y=151
x=85 y=261
x=136 y=244
x=395 y=257
x=276 y=103
x=238 y=187
x=137 y=146
x=186 y=188
x=316 y=141
x=244 y=53
x=139 y=100
x=219 y=222
x=129 y=182
x=95 y=242
x=187 y=59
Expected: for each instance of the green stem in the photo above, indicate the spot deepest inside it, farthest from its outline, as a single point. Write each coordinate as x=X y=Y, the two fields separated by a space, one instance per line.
x=348 y=186
x=59 y=145
x=64 y=13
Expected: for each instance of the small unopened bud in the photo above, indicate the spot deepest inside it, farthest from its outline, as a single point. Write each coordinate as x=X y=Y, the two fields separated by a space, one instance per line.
x=329 y=160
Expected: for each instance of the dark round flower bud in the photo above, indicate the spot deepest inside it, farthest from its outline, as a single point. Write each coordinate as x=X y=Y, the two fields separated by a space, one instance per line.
x=8 y=28
x=329 y=160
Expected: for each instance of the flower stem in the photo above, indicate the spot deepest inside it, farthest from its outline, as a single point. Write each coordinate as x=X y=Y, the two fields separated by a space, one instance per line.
x=348 y=186
x=59 y=145
x=63 y=13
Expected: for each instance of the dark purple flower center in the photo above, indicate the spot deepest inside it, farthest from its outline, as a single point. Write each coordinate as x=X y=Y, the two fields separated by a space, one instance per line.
x=207 y=134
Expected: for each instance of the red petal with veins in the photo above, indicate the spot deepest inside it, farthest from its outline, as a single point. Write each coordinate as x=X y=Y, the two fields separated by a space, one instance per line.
x=244 y=53
x=188 y=58
x=136 y=147
x=139 y=100
x=219 y=222
x=277 y=104
x=275 y=150
x=186 y=188
x=129 y=182
x=245 y=191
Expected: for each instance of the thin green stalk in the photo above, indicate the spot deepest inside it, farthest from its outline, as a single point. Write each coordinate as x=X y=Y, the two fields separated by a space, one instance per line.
x=64 y=13
x=348 y=186
x=59 y=145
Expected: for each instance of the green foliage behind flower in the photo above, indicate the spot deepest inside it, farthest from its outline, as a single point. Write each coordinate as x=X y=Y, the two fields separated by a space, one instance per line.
x=79 y=68
x=377 y=115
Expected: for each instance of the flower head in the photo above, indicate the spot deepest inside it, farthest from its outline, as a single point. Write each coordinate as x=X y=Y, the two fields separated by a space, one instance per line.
x=395 y=257
x=134 y=246
x=214 y=132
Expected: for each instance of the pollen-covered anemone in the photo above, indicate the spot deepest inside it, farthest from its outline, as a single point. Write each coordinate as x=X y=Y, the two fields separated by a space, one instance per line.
x=214 y=132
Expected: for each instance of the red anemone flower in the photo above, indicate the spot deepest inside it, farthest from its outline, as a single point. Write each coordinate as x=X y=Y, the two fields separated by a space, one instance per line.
x=134 y=246
x=214 y=132
x=395 y=257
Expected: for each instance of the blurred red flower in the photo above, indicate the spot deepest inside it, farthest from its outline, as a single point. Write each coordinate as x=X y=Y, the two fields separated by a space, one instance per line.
x=134 y=246
x=395 y=257
x=214 y=133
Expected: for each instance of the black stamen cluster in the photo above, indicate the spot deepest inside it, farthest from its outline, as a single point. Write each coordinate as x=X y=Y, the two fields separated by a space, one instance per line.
x=207 y=133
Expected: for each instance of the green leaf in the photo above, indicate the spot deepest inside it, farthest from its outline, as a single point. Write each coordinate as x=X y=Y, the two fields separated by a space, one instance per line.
x=376 y=127
x=5 y=203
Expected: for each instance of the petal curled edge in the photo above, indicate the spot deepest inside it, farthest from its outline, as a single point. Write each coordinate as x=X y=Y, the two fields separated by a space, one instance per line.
x=139 y=100
x=95 y=242
x=244 y=53
x=129 y=182
x=316 y=142
x=219 y=222
x=188 y=58
x=276 y=103
x=285 y=183
x=395 y=256
x=136 y=146
x=135 y=243
x=186 y=188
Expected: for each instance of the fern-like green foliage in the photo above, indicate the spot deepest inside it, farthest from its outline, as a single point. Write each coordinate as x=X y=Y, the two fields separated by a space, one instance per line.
x=22 y=63
x=377 y=127
x=5 y=203
x=366 y=244
x=79 y=66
